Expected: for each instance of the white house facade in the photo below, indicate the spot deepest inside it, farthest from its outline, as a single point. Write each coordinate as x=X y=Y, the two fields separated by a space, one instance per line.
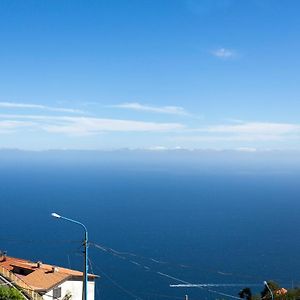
x=44 y=281
x=70 y=289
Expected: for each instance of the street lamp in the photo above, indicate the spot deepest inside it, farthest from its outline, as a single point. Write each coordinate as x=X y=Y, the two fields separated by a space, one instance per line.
x=266 y=284
x=85 y=243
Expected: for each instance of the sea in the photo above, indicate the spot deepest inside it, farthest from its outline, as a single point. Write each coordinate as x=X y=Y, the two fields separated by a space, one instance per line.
x=157 y=220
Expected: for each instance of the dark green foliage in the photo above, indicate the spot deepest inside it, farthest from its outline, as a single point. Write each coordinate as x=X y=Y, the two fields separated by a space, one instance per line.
x=245 y=293
x=7 y=293
x=265 y=293
x=292 y=294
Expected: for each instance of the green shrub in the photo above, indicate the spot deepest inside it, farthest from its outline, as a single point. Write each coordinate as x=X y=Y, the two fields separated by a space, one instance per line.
x=8 y=293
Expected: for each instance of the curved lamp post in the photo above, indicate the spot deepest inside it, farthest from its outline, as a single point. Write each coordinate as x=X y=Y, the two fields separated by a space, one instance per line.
x=85 y=243
x=266 y=284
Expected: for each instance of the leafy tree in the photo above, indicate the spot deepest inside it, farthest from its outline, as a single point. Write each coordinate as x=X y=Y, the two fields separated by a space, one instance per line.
x=8 y=293
x=291 y=294
x=265 y=293
x=245 y=293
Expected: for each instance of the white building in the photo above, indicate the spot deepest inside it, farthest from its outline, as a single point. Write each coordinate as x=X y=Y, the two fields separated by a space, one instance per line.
x=50 y=282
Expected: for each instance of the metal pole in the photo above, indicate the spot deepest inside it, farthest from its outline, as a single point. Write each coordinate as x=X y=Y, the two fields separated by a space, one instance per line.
x=266 y=284
x=86 y=265
x=86 y=259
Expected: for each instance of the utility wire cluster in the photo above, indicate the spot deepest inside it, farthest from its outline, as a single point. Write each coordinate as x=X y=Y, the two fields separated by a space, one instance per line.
x=132 y=258
x=128 y=256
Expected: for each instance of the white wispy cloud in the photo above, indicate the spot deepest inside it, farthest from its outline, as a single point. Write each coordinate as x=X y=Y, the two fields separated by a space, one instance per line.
x=244 y=132
x=174 y=110
x=224 y=53
x=255 y=128
x=8 y=126
x=87 y=125
x=232 y=138
x=246 y=149
x=82 y=126
x=39 y=107
x=241 y=135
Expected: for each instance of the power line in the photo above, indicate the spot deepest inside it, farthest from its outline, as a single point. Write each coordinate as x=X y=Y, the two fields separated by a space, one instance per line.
x=130 y=256
x=131 y=294
x=117 y=253
x=124 y=256
x=92 y=271
x=193 y=285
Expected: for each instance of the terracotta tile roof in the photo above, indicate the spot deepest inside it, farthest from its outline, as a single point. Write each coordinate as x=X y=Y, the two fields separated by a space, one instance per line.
x=10 y=261
x=44 y=280
x=41 y=277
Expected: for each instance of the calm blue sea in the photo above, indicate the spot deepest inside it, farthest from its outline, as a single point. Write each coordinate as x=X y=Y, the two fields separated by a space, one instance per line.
x=205 y=222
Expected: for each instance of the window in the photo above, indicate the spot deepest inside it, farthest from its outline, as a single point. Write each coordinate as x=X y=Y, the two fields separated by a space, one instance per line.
x=57 y=293
x=21 y=271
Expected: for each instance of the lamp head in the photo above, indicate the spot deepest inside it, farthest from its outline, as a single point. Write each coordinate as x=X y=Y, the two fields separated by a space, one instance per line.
x=55 y=215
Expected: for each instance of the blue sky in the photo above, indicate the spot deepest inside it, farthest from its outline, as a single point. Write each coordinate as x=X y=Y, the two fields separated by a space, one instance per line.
x=208 y=74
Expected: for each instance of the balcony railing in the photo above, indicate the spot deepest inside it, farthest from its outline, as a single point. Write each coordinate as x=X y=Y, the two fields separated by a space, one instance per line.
x=15 y=280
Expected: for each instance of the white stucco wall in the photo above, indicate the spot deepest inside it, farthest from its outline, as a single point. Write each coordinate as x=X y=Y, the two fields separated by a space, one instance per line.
x=75 y=288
